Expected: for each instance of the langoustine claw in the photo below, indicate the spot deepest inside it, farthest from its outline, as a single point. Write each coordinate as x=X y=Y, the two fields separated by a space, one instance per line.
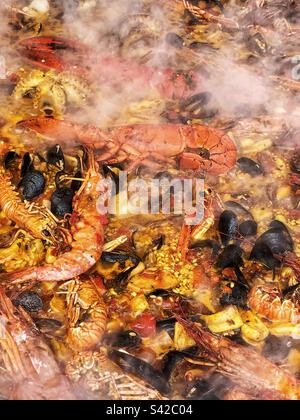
x=253 y=373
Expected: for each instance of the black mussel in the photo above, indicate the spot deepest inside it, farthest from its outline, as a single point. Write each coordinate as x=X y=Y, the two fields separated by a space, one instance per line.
x=277 y=224
x=277 y=348
x=33 y=184
x=59 y=178
x=76 y=184
x=9 y=158
x=231 y=257
x=174 y=40
x=47 y=325
x=295 y=163
x=121 y=281
x=124 y=339
x=163 y=175
x=197 y=106
x=207 y=389
x=228 y=226
x=238 y=209
x=248 y=228
x=257 y=44
x=61 y=201
x=30 y=301
x=120 y=257
x=143 y=370
x=238 y=297
x=27 y=164
x=167 y=325
x=274 y=241
x=55 y=156
x=250 y=167
x=159 y=242
x=207 y=243
x=173 y=357
x=112 y=172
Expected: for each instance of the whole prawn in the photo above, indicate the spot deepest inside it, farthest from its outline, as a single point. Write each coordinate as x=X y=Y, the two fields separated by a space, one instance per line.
x=267 y=301
x=87 y=237
x=30 y=370
x=87 y=315
x=253 y=373
x=197 y=147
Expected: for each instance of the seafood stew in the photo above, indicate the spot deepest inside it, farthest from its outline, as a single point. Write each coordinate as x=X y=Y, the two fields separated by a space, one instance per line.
x=150 y=200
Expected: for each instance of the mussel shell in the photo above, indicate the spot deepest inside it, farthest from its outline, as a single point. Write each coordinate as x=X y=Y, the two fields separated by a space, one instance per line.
x=295 y=163
x=159 y=242
x=248 y=228
x=174 y=40
x=237 y=297
x=231 y=257
x=55 y=156
x=47 y=324
x=238 y=209
x=124 y=339
x=140 y=368
x=75 y=184
x=30 y=301
x=228 y=226
x=173 y=357
x=273 y=241
x=167 y=325
x=61 y=201
x=27 y=164
x=119 y=257
x=208 y=389
x=33 y=184
x=9 y=159
x=207 y=243
x=250 y=167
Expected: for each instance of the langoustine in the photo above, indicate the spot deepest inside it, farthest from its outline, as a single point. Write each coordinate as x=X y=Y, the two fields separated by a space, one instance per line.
x=197 y=147
x=255 y=375
x=55 y=53
x=87 y=237
x=31 y=371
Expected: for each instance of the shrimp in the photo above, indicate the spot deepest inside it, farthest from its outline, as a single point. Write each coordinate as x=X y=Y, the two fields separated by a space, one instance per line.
x=253 y=373
x=85 y=302
x=87 y=237
x=30 y=370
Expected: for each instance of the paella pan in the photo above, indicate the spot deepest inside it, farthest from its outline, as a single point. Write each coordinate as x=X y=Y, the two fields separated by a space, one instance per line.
x=149 y=200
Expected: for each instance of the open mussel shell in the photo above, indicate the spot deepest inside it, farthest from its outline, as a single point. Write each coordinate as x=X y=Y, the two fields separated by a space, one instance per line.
x=55 y=156
x=276 y=240
x=124 y=340
x=295 y=163
x=167 y=325
x=228 y=226
x=238 y=297
x=33 y=184
x=119 y=257
x=174 y=40
x=9 y=158
x=238 y=209
x=27 y=164
x=30 y=301
x=207 y=243
x=250 y=166
x=231 y=257
x=61 y=201
x=141 y=369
